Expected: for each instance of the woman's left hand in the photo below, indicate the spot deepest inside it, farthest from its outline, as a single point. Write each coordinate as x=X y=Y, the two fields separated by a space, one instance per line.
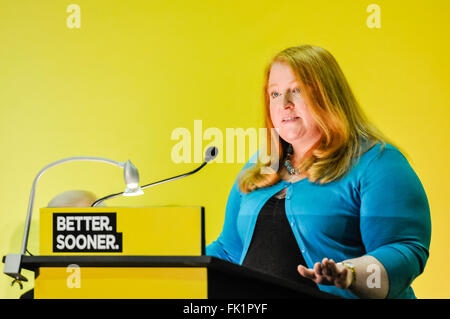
x=328 y=273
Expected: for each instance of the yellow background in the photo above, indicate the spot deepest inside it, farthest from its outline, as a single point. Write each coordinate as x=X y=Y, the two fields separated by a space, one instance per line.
x=136 y=70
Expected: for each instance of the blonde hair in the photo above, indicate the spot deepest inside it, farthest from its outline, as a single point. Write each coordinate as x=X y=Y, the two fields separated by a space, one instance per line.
x=346 y=132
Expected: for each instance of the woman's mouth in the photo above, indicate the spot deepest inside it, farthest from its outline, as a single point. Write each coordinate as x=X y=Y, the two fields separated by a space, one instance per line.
x=290 y=119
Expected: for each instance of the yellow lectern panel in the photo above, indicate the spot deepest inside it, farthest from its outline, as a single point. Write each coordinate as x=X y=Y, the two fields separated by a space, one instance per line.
x=161 y=231
x=157 y=231
x=122 y=283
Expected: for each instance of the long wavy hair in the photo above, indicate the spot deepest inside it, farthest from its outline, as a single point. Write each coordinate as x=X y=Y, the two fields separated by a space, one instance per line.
x=346 y=132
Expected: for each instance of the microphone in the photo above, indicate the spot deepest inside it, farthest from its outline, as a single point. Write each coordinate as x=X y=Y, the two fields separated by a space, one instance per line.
x=210 y=154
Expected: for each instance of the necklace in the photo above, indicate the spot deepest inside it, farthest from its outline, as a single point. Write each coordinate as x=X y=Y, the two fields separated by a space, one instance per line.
x=287 y=163
x=291 y=170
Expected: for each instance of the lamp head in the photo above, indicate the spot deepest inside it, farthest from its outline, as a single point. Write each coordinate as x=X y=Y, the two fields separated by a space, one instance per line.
x=131 y=176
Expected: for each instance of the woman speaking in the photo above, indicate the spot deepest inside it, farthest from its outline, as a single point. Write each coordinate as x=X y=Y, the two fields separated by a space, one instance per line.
x=344 y=211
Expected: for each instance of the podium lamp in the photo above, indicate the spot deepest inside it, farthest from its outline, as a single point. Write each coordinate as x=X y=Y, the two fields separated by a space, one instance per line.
x=131 y=176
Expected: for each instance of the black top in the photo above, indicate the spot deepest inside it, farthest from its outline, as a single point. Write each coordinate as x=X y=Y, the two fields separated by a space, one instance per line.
x=273 y=248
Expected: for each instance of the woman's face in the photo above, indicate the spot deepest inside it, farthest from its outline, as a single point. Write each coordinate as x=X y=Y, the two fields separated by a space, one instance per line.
x=288 y=110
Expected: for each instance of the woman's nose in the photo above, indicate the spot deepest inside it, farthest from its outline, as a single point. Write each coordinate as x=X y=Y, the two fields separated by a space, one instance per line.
x=287 y=101
x=288 y=105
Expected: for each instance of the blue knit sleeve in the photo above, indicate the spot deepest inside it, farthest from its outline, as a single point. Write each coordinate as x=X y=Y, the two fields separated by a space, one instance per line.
x=228 y=245
x=395 y=218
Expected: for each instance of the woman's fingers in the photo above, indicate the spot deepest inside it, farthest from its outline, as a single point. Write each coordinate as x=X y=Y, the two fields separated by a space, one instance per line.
x=333 y=269
x=325 y=269
x=314 y=274
x=332 y=272
x=305 y=272
x=318 y=269
x=326 y=272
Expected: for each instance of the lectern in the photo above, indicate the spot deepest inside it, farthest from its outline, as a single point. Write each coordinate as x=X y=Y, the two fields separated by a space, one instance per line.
x=150 y=252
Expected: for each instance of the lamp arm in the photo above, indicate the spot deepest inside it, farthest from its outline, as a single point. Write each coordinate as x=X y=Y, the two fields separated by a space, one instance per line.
x=13 y=262
x=41 y=172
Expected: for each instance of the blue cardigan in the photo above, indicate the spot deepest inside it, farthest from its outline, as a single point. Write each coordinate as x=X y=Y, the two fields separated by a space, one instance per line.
x=378 y=208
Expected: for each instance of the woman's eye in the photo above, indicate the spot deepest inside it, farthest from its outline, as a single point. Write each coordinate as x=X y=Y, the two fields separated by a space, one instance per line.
x=275 y=94
x=296 y=90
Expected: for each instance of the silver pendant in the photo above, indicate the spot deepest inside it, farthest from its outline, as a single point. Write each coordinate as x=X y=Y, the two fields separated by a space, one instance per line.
x=291 y=170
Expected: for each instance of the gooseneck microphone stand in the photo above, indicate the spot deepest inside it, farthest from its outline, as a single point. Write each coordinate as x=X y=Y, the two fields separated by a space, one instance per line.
x=210 y=154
